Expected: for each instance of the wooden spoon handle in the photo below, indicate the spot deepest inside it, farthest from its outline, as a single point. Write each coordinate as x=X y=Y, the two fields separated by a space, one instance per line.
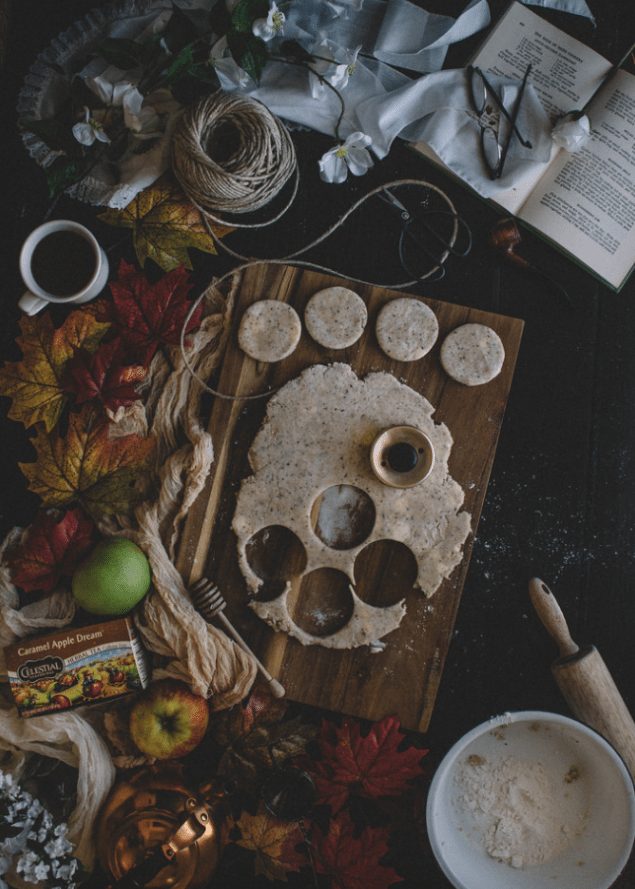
x=551 y=616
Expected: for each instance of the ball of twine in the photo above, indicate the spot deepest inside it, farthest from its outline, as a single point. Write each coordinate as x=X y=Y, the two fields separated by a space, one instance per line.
x=231 y=154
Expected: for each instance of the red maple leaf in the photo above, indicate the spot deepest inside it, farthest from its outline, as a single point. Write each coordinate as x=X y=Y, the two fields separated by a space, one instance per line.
x=370 y=766
x=352 y=862
x=51 y=549
x=150 y=315
x=103 y=376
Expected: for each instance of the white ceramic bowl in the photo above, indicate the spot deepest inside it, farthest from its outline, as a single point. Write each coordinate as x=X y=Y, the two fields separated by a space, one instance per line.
x=586 y=776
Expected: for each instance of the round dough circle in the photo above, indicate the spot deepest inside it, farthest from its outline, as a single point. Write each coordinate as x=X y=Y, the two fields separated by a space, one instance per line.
x=472 y=354
x=269 y=330
x=406 y=329
x=335 y=317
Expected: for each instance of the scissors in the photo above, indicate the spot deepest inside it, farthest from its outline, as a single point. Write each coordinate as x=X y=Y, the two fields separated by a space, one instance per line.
x=417 y=230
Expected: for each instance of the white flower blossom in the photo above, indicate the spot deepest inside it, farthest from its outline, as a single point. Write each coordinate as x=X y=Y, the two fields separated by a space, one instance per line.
x=140 y=113
x=230 y=75
x=571 y=131
x=351 y=155
x=89 y=130
x=342 y=67
x=272 y=26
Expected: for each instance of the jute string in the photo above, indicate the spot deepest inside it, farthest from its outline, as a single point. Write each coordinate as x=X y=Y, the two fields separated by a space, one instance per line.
x=230 y=154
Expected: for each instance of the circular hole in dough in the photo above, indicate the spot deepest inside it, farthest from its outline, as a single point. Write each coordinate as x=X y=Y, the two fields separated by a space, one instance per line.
x=335 y=317
x=343 y=516
x=385 y=572
x=322 y=603
x=406 y=329
x=472 y=354
x=276 y=555
x=269 y=330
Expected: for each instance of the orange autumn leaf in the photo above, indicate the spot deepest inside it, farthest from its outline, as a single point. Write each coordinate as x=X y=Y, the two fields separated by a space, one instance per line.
x=164 y=225
x=35 y=382
x=273 y=843
x=87 y=466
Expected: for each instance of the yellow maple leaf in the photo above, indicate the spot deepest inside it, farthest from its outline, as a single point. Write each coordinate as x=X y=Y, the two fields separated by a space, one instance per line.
x=86 y=465
x=164 y=224
x=272 y=841
x=35 y=382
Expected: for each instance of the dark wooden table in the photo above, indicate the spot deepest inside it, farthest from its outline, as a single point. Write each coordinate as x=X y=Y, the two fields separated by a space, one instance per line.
x=561 y=502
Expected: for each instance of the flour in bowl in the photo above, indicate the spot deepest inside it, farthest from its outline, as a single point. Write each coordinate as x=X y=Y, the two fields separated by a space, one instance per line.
x=523 y=812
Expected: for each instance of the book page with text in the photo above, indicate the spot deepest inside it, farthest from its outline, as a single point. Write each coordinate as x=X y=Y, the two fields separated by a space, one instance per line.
x=586 y=201
x=565 y=73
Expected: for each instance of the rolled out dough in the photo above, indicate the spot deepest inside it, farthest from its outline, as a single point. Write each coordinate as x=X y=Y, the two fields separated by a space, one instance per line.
x=472 y=354
x=269 y=330
x=317 y=433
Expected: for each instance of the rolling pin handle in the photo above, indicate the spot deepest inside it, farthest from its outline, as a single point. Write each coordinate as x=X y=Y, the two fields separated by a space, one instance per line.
x=552 y=617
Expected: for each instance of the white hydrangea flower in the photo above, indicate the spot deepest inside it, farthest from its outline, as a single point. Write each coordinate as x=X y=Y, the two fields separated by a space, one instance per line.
x=272 y=26
x=53 y=854
x=32 y=868
x=89 y=130
x=351 y=155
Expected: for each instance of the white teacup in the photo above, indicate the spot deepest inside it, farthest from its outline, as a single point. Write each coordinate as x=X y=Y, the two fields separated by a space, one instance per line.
x=36 y=297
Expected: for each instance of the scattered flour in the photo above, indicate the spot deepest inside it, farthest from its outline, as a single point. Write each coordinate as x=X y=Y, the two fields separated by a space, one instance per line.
x=524 y=813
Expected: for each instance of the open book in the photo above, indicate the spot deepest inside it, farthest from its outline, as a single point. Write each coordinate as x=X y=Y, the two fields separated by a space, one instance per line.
x=582 y=202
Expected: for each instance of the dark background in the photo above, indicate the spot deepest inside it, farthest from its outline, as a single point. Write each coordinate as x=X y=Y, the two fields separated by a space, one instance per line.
x=561 y=501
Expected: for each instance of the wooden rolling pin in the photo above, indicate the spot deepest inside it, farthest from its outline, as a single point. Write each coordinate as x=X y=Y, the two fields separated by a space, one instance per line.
x=584 y=679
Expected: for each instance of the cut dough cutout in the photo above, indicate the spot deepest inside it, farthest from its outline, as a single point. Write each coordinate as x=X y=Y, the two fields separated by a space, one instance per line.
x=406 y=329
x=269 y=330
x=335 y=317
x=473 y=354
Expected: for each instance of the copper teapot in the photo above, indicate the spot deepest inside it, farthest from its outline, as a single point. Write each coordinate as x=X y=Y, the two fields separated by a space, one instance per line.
x=158 y=832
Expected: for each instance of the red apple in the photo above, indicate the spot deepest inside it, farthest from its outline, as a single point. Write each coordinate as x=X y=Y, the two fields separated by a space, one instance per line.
x=92 y=688
x=168 y=720
x=117 y=677
x=61 y=701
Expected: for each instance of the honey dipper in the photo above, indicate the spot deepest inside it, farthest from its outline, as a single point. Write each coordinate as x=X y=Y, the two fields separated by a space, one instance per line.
x=209 y=602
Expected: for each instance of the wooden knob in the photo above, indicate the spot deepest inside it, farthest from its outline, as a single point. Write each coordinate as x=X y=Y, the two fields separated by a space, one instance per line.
x=552 y=617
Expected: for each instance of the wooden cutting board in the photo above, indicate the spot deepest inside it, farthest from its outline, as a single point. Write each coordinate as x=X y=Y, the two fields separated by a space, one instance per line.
x=404 y=678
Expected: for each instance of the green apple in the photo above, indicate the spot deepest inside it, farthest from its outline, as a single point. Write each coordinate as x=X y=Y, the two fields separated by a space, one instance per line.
x=168 y=720
x=113 y=579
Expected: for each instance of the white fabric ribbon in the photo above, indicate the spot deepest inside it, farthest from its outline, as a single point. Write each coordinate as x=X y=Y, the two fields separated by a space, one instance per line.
x=396 y=32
